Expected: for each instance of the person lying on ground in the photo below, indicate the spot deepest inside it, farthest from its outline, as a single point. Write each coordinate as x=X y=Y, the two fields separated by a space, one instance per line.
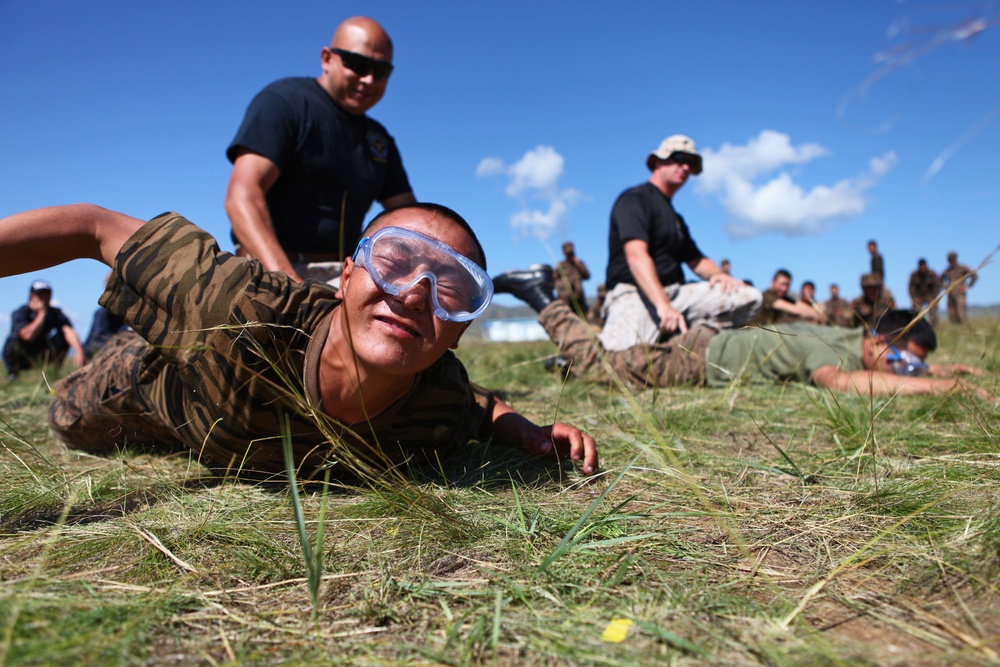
x=225 y=358
x=887 y=360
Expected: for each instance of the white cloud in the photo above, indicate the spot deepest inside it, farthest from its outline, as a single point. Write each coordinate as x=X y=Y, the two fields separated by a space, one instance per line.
x=883 y=164
x=534 y=184
x=489 y=166
x=741 y=178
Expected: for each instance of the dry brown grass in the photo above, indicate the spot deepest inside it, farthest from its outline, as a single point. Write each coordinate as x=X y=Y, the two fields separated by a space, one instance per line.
x=768 y=525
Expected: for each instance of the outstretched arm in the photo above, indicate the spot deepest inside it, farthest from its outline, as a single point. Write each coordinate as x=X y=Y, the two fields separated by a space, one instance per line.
x=876 y=383
x=558 y=441
x=45 y=237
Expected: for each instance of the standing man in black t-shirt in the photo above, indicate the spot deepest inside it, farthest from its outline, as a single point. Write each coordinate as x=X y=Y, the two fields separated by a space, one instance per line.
x=308 y=162
x=647 y=297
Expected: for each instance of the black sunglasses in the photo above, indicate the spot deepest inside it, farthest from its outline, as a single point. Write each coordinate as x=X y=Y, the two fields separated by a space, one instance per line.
x=681 y=158
x=363 y=65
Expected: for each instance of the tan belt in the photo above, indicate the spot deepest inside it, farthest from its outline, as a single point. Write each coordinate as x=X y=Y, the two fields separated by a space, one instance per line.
x=297 y=257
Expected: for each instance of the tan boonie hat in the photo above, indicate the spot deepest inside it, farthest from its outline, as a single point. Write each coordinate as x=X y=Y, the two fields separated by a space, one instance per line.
x=676 y=143
x=871 y=280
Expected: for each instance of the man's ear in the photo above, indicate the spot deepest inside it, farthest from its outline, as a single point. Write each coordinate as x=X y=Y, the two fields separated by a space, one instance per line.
x=345 y=277
x=465 y=327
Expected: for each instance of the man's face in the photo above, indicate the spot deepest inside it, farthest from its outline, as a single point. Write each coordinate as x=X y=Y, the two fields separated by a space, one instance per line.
x=400 y=334
x=673 y=172
x=780 y=285
x=871 y=293
x=39 y=300
x=872 y=248
x=875 y=349
x=808 y=292
x=834 y=292
x=354 y=93
x=922 y=267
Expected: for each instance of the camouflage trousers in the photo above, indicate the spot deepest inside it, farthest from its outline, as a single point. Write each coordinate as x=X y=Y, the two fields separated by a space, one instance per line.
x=100 y=409
x=932 y=312
x=678 y=360
x=957 y=308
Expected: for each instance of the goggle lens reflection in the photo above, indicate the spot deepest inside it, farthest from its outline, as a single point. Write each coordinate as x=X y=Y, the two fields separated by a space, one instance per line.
x=398 y=259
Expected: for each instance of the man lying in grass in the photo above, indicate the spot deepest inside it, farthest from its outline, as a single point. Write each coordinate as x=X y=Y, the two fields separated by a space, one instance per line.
x=226 y=357
x=888 y=360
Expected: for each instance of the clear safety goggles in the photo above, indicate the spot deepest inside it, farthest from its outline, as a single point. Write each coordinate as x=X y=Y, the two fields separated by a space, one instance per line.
x=398 y=259
x=904 y=362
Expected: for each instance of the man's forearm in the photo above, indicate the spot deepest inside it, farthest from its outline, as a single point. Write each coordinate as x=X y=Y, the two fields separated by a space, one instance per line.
x=46 y=237
x=878 y=383
x=69 y=333
x=644 y=272
x=254 y=230
x=705 y=268
x=32 y=329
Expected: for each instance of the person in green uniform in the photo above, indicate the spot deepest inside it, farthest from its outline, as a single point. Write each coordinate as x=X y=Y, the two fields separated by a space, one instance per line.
x=887 y=360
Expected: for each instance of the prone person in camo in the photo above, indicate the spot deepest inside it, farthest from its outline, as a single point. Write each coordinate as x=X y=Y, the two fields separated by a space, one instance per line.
x=889 y=359
x=648 y=298
x=308 y=161
x=226 y=356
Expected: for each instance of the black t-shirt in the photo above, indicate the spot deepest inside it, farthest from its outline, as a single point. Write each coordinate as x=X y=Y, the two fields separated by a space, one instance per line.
x=323 y=152
x=54 y=321
x=645 y=213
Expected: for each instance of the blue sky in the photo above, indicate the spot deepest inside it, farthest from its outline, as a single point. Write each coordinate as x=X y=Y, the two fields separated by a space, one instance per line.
x=823 y=124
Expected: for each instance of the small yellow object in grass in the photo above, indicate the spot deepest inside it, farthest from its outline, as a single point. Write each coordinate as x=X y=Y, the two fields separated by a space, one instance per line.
x=617 y=630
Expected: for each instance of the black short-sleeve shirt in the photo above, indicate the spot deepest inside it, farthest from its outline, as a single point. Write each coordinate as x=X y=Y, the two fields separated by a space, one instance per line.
x=645 y=213
x=324 y=154
x=55 y=320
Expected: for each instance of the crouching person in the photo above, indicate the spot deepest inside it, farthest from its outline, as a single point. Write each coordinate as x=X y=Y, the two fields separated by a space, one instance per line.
x=891 y=358
x=228 y=359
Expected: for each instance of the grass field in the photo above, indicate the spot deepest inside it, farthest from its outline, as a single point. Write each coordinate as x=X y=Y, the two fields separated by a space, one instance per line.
x=761 y=525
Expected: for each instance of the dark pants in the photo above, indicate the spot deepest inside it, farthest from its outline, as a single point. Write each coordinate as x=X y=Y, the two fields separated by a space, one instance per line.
x=20 y=354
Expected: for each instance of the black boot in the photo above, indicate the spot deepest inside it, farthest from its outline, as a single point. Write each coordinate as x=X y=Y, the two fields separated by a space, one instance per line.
x=533 y=286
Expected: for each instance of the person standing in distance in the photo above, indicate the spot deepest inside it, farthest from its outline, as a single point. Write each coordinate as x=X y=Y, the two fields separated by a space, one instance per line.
x=308 y=162
x=925 y=285
x=647 y=245
x=878 y=265
x=570 y=274
x=957 y=280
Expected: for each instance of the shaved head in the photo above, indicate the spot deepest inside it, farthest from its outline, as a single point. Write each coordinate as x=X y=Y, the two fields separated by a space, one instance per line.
x=361 y=34
x=362 y=38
